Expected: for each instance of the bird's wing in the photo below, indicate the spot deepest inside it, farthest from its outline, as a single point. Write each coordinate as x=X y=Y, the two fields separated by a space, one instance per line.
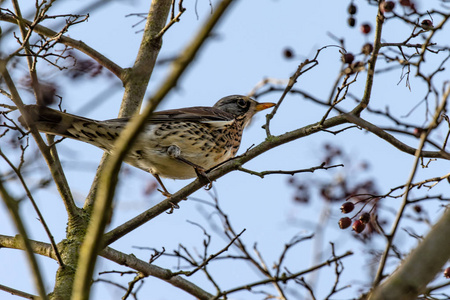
x=201 y=114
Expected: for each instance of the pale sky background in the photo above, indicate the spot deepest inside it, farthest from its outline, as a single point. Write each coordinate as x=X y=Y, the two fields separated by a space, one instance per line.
x=248 y=48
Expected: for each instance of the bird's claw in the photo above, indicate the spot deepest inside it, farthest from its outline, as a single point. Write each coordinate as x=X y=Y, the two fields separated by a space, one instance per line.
x=203 y=177
x=174 y=206
x=165 y=193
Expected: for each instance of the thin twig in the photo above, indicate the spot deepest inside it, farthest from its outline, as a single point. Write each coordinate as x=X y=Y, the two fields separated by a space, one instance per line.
x=13 y=208
x=269 y=172
x=36 y=208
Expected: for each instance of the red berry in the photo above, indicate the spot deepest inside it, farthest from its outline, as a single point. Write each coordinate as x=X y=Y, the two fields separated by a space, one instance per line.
x=367 y=48
x=345 y=222
x=351 y=22
x=348 y=58
x=387 y=6
x=347 y=207
x=365 y=217
x=447 y=273
x=358 y=226
x=366 y=28
x=352 y=9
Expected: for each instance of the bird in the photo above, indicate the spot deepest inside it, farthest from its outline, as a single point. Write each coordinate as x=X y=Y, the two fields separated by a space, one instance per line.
x=179 y=143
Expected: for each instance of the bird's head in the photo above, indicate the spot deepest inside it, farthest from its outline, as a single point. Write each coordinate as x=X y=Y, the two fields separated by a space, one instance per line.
x=241 y=107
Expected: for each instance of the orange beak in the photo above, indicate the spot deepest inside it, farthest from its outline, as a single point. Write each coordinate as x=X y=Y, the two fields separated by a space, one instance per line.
x=262 y=106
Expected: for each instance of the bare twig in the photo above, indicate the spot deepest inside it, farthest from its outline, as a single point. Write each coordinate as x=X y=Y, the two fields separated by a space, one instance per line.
x=13 y=208
x=36 y=208
x=269 y=172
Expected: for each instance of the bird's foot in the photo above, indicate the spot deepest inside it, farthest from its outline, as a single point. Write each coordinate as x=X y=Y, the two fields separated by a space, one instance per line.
x=203 y=177
x=173 y=207
x=175 y=152
x=165 y=193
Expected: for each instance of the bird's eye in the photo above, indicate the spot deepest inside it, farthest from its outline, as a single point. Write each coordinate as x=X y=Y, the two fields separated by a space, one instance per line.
x=241 y=102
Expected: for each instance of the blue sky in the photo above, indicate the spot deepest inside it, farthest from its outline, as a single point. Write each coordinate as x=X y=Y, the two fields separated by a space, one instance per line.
x=247 y=48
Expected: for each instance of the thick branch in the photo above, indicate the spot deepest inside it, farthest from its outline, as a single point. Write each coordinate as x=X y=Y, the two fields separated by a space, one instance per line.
x=18 y=292
x=420 y=267
x=108 y=176
x=432 y=253
x=137 y=78
x=14 y=242
x=118 y=257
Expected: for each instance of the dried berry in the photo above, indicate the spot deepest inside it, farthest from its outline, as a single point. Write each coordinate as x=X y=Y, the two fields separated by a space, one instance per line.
x=365 y=217
x=352 y=9
x=347 y=207
x=345 y=222
x=366 y=28
x=348 y=58
x=387 y=6
x=367 y=48
x=288 y=53
x=417 y=208
x=427 y=24
x=301 y=199
x=405 y=3
x=358 y=226
x=351 y=22
x=417 y=132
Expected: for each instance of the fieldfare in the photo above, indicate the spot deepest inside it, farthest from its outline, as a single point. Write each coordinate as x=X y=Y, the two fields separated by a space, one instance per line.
x=178 y=143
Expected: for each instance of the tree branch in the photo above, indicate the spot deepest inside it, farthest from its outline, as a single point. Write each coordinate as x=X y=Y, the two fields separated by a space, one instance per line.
x=36 y=208
x=18 y=292
x=371 y=68
x=292 y=172
x=79 y=45
x=13 y=208
x=392 y=140
x=55 y=168
x=155 y=271
x=128 y=260
x=432 y=253
x=284 y=278
x=227 y=167
x=108 y=175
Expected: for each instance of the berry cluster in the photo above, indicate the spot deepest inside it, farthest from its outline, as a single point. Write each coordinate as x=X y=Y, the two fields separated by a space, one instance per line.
x=352 y=9
x=358 y=225
x=351 y=21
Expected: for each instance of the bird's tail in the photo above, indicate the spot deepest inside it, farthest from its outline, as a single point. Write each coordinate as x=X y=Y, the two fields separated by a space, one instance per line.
x=98 y=133
x=50 y=121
